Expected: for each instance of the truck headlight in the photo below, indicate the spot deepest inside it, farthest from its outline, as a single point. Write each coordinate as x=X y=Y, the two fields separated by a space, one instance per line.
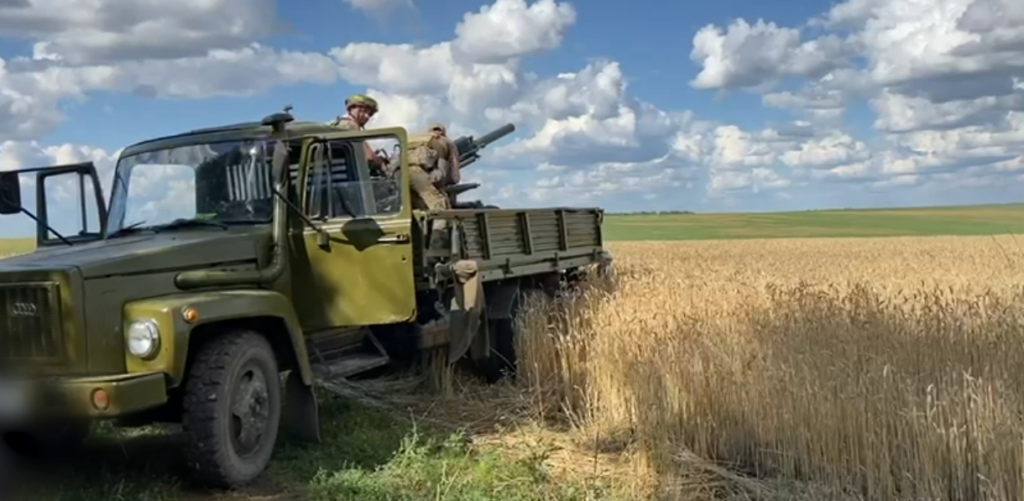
x=143 y=339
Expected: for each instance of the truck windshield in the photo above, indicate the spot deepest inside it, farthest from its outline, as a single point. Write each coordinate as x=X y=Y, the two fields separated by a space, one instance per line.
x=221 y=183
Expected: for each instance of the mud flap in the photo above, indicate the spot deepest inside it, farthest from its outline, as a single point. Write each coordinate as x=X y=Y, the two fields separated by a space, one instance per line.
x=301 y=413
x=604 y=264
x=466 y=311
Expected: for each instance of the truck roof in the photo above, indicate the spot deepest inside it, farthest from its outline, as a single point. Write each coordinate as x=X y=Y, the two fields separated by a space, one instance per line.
x=230 y=132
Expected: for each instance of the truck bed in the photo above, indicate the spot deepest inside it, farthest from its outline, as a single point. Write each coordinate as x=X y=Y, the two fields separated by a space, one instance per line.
x=517 y=242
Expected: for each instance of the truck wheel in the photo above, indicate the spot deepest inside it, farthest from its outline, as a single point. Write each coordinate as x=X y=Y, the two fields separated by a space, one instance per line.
x=502 y=360
x=232 y=409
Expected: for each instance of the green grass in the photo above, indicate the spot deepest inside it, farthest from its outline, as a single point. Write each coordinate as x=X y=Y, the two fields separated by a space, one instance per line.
x=966 y=220
x=367 y=454
x=926 y=221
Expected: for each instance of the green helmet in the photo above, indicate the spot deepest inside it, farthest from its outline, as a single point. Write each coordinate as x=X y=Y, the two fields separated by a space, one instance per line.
x=361 y=100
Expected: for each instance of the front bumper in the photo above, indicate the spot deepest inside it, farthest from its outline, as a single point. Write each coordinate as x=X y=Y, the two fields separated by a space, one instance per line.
x=27 y=400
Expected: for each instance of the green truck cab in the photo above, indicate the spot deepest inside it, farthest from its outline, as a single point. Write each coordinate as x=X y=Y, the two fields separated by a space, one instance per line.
x=299 y=259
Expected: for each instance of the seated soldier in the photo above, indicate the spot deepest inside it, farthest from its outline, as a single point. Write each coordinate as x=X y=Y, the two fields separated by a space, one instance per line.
x=424 y=178
x=447 y=153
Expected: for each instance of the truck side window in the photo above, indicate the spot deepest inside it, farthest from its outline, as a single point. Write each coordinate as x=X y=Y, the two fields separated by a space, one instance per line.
x=341 y=184
x=386 y=181
x=330 y=180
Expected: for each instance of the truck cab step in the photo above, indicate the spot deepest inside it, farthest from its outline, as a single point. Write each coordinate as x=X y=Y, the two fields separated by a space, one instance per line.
x=350 y=365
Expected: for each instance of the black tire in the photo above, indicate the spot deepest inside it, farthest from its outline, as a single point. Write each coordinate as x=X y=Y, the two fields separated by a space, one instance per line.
x=502 y=361
x=237 y=369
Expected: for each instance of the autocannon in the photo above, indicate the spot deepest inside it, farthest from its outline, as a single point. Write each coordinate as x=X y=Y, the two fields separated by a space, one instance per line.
x=469 y=152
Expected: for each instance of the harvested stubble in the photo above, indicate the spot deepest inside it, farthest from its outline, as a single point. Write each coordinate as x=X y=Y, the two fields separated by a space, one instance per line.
x=867 y=368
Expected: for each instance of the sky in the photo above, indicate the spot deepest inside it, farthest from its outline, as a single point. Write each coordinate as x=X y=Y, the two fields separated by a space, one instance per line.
x=731 y=105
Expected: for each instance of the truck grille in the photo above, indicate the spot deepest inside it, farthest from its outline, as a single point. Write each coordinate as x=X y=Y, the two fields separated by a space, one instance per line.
x=30 y=322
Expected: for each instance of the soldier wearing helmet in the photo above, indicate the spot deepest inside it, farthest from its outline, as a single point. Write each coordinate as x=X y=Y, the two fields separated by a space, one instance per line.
x=359 y=109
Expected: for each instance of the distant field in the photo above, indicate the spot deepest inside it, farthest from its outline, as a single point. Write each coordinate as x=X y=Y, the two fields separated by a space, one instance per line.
x=9 y=246
x=968 y=220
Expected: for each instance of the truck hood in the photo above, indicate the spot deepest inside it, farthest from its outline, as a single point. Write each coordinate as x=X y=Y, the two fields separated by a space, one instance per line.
x=146 y=252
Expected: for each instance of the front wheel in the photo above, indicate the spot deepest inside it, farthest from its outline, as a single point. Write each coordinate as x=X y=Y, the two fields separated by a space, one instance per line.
x=232 y=409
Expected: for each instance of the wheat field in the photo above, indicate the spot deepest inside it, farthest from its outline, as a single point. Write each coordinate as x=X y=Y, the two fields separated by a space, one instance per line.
x=873 y=369
x=807 y=369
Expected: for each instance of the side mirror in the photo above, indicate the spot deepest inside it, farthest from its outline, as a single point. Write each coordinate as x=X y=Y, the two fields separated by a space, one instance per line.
x=10 y=193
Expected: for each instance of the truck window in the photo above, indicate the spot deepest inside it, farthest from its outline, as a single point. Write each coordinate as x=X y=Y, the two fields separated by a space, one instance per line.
x=71 y=190
x=341 y=184
x=225 y=181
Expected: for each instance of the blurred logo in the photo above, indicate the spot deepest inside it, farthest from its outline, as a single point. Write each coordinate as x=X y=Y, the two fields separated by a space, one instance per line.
x=24 y=310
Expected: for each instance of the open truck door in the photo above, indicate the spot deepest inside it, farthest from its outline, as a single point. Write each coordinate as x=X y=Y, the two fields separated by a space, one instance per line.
x=355 y=253
x=75 y=183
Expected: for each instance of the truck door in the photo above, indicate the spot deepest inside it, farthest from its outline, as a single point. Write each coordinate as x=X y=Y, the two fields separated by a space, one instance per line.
x=355 y=265
x=70 y=206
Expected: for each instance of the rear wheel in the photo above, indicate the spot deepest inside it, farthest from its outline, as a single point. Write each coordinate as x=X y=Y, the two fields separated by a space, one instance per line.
x=232 y=409
x=502 y=360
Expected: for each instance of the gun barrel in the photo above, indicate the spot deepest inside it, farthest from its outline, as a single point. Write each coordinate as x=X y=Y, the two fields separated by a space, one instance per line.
x=495 y=135
x=469 y=148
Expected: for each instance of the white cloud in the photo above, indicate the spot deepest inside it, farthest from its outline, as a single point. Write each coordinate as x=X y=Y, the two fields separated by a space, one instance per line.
x=242 y=72
x=943 y=78
x=751 y=55
x=104 y=31
x=587 y=115
x=511 y=28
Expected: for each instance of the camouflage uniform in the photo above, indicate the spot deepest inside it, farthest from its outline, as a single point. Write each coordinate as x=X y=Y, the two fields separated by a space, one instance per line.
x=424 y=178
x=344 y=122
x=447 y=152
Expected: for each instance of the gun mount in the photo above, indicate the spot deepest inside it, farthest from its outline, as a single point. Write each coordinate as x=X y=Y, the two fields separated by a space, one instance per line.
x=469 y=152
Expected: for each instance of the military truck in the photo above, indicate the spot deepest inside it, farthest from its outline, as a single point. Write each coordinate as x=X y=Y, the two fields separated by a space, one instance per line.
x=294 y=258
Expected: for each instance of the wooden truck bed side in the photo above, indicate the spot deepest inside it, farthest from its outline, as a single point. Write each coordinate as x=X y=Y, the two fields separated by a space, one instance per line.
x=518 y=242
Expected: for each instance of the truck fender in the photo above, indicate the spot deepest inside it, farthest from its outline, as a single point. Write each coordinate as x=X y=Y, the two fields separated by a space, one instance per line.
x=210 y=308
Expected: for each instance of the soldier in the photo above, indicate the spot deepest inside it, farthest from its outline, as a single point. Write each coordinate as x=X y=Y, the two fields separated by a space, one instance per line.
x=425 y=178
x=446 y=151
x=359 y=109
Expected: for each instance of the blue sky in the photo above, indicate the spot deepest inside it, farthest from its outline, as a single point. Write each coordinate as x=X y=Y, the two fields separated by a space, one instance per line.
x=730 y=105
x=314 y=26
